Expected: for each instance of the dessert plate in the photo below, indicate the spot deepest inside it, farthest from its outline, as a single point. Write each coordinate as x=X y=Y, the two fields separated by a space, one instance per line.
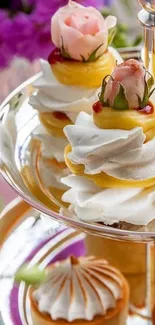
x=21 y=161
x=42 y=241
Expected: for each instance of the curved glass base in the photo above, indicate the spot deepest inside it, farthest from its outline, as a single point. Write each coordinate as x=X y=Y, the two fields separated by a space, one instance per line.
x=21 y=160
x=43 y=241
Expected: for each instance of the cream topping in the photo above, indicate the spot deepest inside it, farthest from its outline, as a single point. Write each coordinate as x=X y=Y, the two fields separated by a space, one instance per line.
x=54 y=96
x=50 y=174
x=119 y=153
x=91 y=203
x=79 y=289
x=52 y=147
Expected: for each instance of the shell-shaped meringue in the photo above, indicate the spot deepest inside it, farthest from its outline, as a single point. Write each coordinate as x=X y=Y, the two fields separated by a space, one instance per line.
x=79 y=289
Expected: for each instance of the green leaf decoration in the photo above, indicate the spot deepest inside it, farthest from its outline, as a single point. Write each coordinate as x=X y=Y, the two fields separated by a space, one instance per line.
x=147 y=90
x=120 y=101
x=151 y=92
x=93 y=56
x=111 y=34
x=101 y=95
x=63 y=51
x=150 y=81
x=83 y=59
x=31 y=275
x=146 y=94
x=139 y=101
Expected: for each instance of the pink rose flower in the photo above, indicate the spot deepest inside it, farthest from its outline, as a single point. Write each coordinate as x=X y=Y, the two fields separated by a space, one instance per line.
x=81 y=31
x=128 y=85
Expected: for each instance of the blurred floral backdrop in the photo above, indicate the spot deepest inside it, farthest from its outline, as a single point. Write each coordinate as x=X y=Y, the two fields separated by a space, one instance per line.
x=25 y=37
x=25 y=25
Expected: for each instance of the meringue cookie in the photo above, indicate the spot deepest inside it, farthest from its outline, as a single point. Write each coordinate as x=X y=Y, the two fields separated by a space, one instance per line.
x=96 y=287
x=52 y=147
x=90 y=203
x=119 y=153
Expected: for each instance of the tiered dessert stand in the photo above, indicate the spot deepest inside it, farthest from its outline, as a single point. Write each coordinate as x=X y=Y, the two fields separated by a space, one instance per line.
x=16 y=149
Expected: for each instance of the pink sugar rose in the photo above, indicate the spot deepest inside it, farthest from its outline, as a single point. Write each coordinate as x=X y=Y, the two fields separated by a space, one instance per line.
x=81 y=30
x=131 y=75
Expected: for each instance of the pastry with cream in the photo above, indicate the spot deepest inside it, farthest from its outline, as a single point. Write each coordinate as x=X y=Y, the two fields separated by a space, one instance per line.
x=74 y=71
x=112 y=153
x=59 y=95
x=86 y=290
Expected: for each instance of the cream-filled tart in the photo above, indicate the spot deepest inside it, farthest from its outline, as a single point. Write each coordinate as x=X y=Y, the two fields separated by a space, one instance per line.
x=85 y=290
x=111 y=154
x=74 y=71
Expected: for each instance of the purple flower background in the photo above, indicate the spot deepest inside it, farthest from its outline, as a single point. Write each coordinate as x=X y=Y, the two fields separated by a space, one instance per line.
x=28 y=34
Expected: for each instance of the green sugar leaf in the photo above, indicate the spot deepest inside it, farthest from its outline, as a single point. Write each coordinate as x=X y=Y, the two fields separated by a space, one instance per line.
x=120 y=101
x=111 y=35
x=63 y=51
x=93 y=56
x=31 y=275
x=150 y=81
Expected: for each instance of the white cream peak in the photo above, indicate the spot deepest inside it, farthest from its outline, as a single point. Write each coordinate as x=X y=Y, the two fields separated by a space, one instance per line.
x=79 y=289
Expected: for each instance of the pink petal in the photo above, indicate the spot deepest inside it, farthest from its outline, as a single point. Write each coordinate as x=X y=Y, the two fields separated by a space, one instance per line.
x=59 y=17
x=111 y=91
x=85 y=24
x=110 y=22
x=84 y=46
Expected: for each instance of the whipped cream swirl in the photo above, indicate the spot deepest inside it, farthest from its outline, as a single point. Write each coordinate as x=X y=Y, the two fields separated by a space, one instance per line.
x=79 y=289
x=119 y=153
x=52 y=147
x=53 y=96
x=91 y=203
x=50 y=173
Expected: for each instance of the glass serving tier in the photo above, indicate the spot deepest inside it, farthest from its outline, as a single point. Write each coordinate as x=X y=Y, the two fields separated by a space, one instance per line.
x=44 y=241
x=19 y=150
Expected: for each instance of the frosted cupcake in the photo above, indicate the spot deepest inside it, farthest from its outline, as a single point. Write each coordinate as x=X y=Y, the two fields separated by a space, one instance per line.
x=75 y=69
x=85 y=290
x=112 y=153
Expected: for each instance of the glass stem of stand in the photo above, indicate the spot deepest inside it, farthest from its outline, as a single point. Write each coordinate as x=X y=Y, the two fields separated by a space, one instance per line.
x=146 y=48
x=153 y=53
x=150 y=280
x=149 y=50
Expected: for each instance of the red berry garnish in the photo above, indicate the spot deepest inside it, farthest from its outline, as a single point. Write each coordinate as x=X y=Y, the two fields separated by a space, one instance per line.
x=97 y=107
x=148 y=109
x=55 y=56
x=60 y=115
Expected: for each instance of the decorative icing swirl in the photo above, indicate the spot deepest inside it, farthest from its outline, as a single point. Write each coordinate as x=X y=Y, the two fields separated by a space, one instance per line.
x=79 y=289
x=94 y=204
x=119 y=153
x=54 y=96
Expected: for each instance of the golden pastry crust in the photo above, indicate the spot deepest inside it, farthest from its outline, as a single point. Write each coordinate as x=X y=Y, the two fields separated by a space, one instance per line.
x=103 y=180
x=53 y=124
x=89 y=74
x=109 y=118
x=115 y=316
